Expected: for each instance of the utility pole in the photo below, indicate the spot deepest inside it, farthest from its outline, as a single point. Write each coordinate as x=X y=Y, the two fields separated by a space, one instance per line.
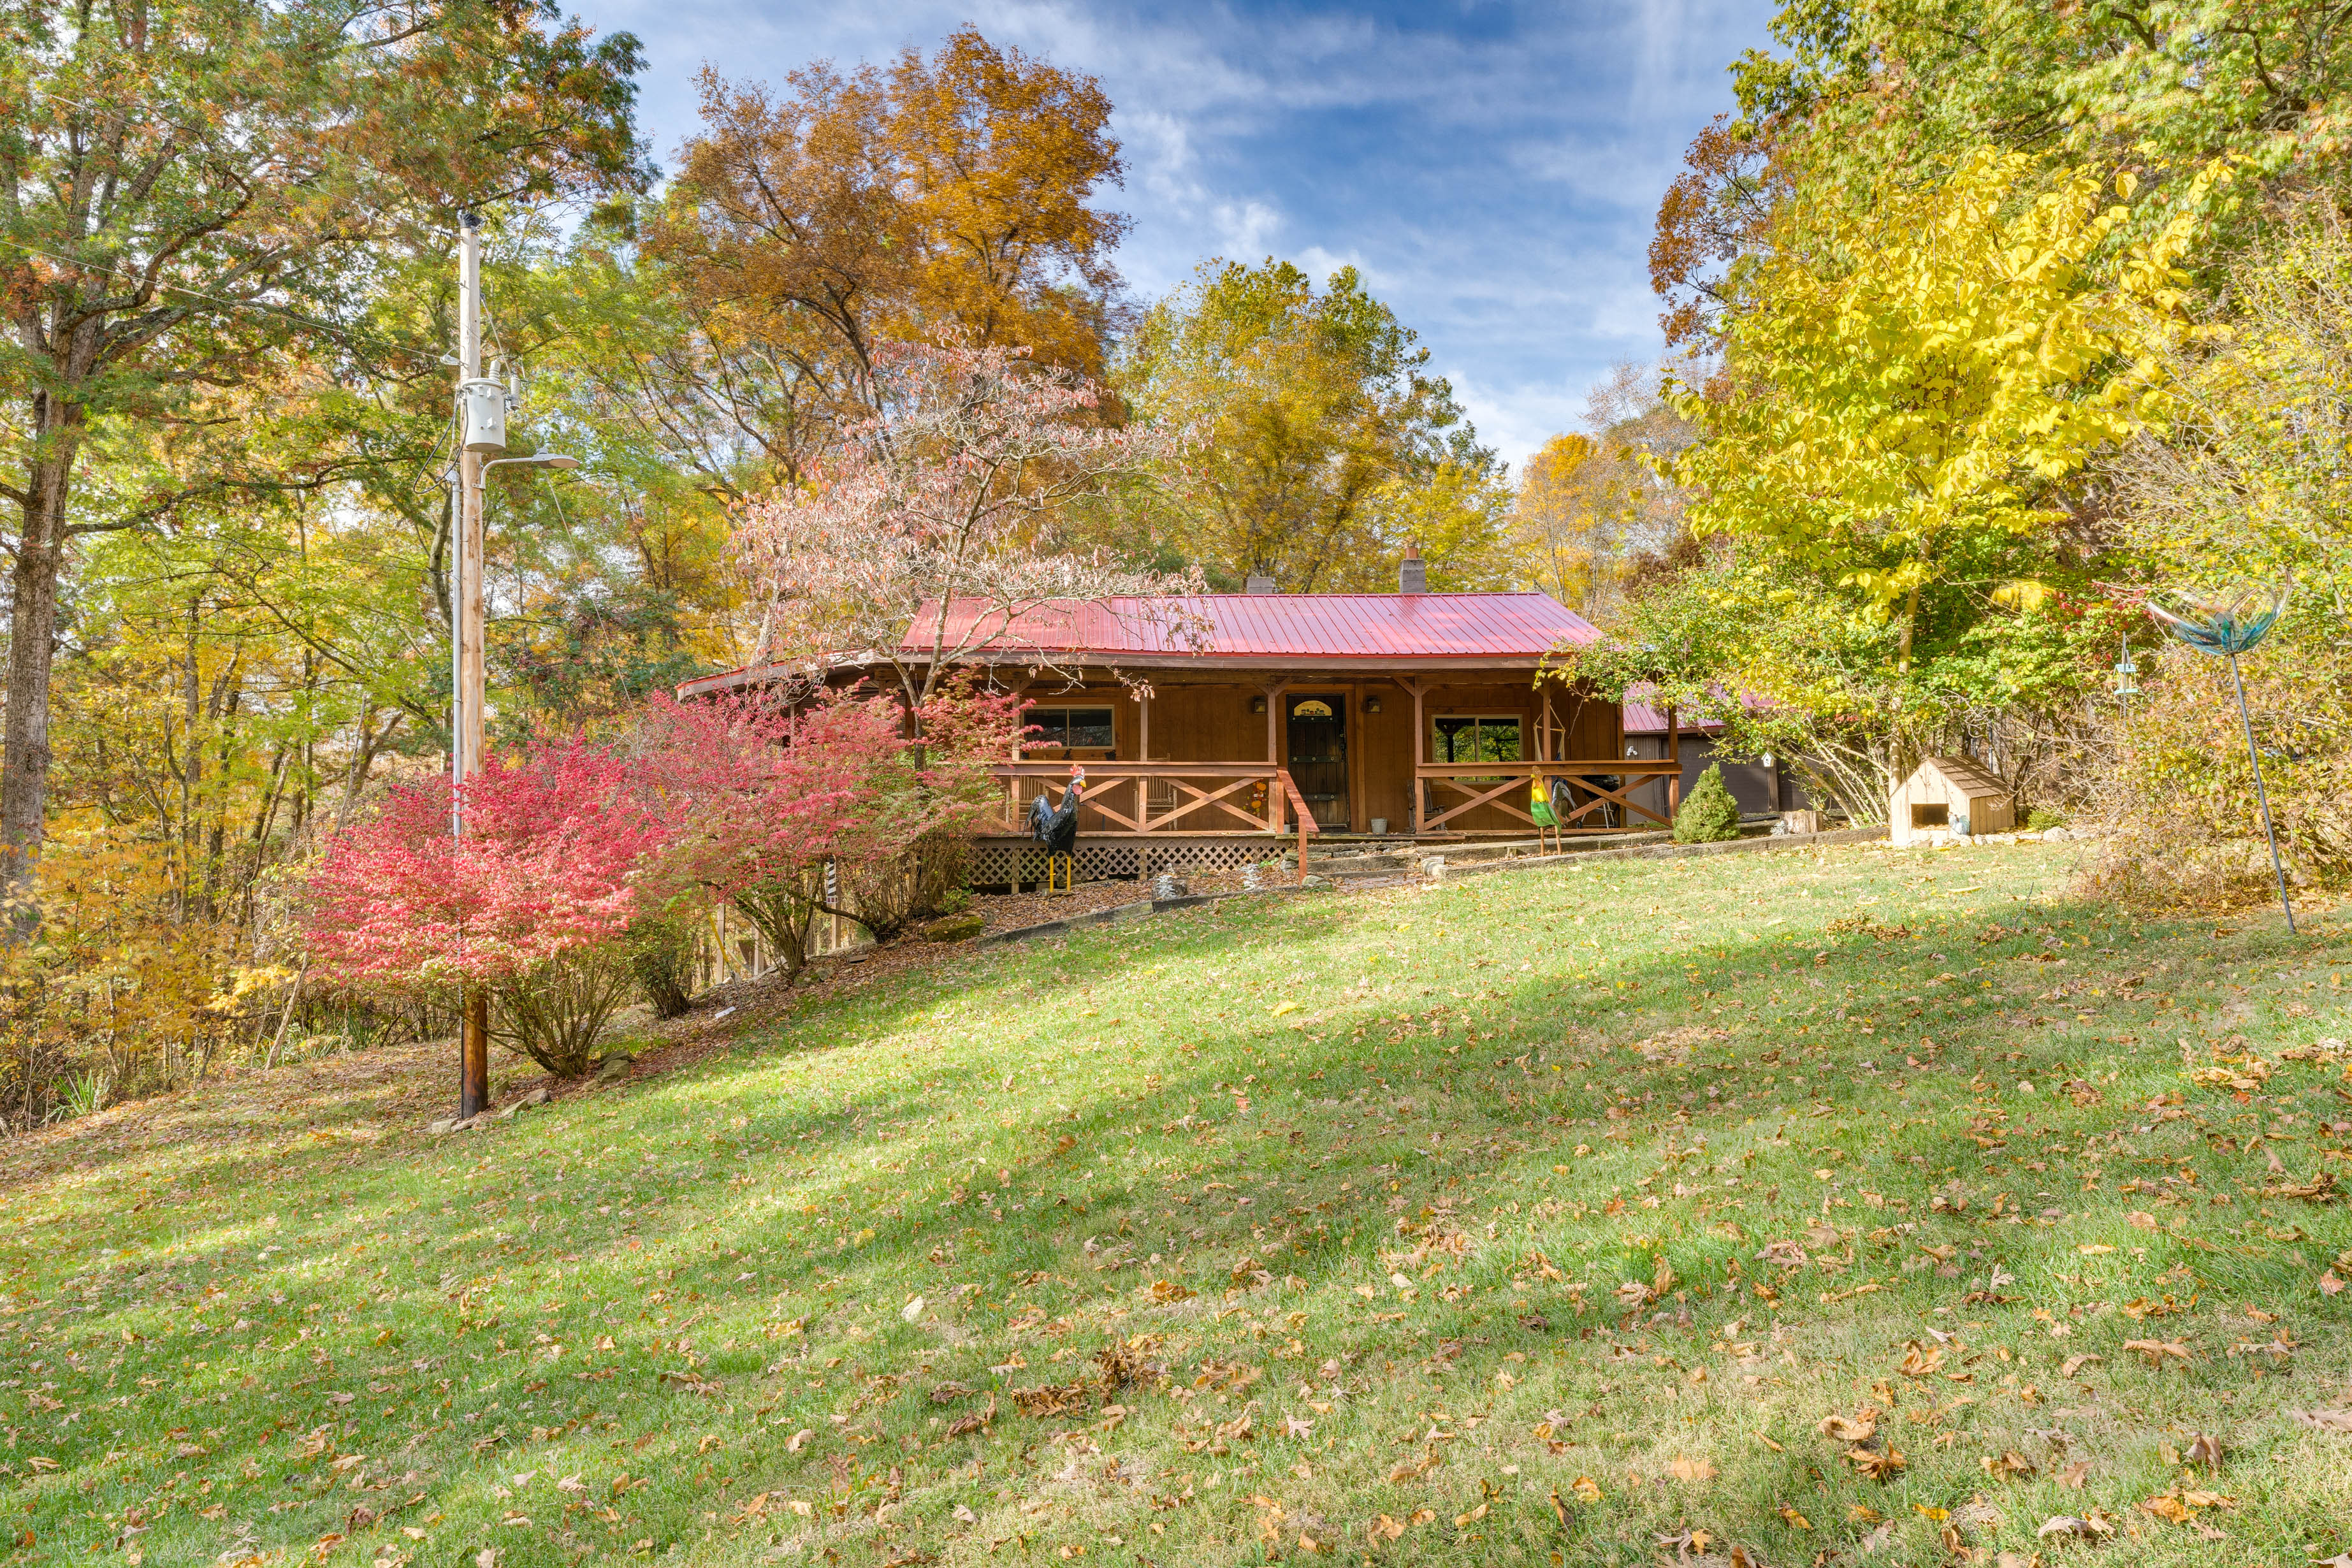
x=476 y=437
x=483 y=403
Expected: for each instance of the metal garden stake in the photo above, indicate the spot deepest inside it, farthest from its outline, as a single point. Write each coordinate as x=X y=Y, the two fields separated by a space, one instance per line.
x=2228 y=627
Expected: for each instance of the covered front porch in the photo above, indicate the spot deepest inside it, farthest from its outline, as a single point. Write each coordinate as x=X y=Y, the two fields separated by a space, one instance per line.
x=1201 y=770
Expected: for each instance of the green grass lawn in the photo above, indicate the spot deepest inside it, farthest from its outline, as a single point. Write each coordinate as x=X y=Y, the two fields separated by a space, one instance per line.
x=1542 y=1217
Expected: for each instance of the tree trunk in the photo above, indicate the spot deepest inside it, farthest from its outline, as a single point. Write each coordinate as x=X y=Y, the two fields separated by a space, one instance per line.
x=33 y=624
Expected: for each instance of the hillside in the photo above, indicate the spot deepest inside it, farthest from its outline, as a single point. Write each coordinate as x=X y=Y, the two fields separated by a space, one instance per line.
x=1830 y=1201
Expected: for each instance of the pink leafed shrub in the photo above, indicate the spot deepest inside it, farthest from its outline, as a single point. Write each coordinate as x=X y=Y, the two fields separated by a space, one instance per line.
x=760 y=797
x=530 y=904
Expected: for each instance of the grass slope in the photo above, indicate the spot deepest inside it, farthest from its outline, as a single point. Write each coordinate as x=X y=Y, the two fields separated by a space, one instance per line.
x=1534 y=1218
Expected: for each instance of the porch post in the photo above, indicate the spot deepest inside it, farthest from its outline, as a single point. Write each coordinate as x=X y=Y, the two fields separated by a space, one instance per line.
x=1420 y=744
x=1012 y=802
x=1274 y=800
x=1143 y=754
x=1675 y=755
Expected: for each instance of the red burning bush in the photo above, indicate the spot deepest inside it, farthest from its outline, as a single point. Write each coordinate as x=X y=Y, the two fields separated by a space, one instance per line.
x=530 y=904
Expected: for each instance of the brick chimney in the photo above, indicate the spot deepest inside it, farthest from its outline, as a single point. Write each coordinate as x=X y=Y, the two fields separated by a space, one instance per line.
x=1258 y=582
x=1412 y=577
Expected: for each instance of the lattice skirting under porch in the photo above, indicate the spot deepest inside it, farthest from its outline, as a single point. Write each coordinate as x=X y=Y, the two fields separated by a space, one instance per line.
x=1000 y=862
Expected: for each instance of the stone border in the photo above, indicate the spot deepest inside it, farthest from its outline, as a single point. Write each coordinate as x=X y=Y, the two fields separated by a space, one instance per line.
x=1669 y=851
x=1140 y=910
x=1144 y=908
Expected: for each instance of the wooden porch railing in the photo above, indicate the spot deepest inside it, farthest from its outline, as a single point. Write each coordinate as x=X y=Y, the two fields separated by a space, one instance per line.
x=1121 y=794
x=1506 y=785
x=1239 y=798
x=1307 y=823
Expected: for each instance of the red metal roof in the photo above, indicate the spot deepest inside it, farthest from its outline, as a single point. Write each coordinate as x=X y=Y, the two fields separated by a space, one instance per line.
x=1294 y=625
x=1212 y=630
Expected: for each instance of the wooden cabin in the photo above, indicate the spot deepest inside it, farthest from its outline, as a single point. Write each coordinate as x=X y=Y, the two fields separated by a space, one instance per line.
x=1948 y=794
x=1221 y=729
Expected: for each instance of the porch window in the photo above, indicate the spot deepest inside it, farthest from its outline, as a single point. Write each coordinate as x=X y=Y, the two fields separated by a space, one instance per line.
x=1072 y=729
x=1475 y=738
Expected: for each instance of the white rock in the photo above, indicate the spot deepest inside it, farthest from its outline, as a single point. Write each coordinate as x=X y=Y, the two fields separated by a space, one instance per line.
x=913 y=1310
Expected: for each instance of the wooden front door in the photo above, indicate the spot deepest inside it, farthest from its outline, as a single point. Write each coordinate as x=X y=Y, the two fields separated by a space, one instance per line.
x=1319 y=756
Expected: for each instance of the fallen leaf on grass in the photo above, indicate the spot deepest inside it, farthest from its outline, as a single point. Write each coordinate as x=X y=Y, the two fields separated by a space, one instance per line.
x=2098 y=1527
x=1410 y=1469
x=1876 y=1464
x=2001 y=1466
x=2156 y=1350
x=1793 y=1519
x=964 y=1425
x=1690 y=1470
x=2074 y=1363
x=1878 y=1540
x=2206 y=1450
x=1169 y=1290
x=2181 y=1506
x=2074 y=1475
x=1863 y=1426
x=2337 y=1421
x=1051 y=1399
x=1919 y=1360
x=1586 y=1489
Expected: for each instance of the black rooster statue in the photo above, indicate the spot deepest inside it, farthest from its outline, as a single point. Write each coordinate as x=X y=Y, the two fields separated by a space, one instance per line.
x=1056 y=827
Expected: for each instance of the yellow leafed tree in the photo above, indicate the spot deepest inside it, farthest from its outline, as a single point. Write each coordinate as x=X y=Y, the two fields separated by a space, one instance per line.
x=1912 y=370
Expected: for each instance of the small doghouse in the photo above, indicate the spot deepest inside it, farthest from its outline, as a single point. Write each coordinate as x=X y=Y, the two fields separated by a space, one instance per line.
x=1948 y=794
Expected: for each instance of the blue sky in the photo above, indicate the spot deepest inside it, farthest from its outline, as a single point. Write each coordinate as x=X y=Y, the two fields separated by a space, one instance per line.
x=1492 y=169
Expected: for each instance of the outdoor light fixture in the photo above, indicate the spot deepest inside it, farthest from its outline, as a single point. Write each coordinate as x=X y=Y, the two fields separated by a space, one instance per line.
x=1372 y=704
x=2226 y=627
x=1257 y=704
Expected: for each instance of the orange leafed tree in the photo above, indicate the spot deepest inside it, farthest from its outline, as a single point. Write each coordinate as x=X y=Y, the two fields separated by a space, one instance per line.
x=1716 y=211
x=949 y=196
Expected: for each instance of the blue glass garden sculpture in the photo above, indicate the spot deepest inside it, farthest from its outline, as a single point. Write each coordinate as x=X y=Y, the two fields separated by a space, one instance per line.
x=2227 y=628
